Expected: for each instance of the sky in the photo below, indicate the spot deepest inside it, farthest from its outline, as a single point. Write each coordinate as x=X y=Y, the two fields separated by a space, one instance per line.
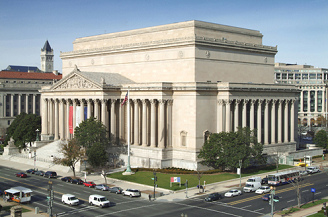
x=298 y=27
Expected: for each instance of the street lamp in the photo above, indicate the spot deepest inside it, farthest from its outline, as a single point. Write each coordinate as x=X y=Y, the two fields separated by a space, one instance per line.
x=37 y=135
x=272 y=199
x=155 y=179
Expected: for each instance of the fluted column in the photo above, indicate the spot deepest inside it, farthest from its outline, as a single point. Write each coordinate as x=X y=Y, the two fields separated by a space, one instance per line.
x=61 y=118
x=219 y=120
x=279 y=128
x=56 y=120
x=96 y=109
x=26 y=103
x=104 y=113
x=144 y=123
x=12 y=105
x=273 y=121
x=19 y=103
x=74 y=114
x=136 y=122
x=236 y=111
x=153 y=123
x=121 y=121
x=82 y=110
x=259 y=121
x=266 y=122
x=112 y=119
x=161 y=126
x=228 y=115
x=244 y=113
x=286 y=121
x=34 y=103
x=4 y=105
x=89 y=108
x=169 y=122
x=68 y=135
x=251 y=114
x=44 y=117
x=292 y=120
x=51 y=116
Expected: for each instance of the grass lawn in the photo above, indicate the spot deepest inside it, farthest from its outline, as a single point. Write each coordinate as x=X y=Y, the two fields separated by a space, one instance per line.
x=163 y=180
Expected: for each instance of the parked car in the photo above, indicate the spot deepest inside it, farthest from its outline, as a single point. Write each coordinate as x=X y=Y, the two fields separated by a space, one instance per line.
x=268 y=196
x=131 y=193
x=102 y=187
x=89 y=184
x=312 y=170
x=303 y=172
x=70 y=199
x=232 y=193
x=213 y=197
x=116 y=190
x=263 y=189
x=98 y=200
x=39 y=173
x=50 y=174
x=21 y=175
x=66 y=179
x=77 y=181
x=32 y=171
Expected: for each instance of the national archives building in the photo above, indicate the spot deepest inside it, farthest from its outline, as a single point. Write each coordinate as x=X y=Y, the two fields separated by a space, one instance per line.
x=186 y=80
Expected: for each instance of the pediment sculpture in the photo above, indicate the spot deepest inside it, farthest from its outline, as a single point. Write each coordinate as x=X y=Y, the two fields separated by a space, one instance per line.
x=76 y=82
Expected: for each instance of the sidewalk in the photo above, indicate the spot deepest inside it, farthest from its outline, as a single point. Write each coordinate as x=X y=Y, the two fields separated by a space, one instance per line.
x=168 y=196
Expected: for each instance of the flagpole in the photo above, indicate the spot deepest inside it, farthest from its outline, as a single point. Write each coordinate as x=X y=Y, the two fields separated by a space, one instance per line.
x=128 y=168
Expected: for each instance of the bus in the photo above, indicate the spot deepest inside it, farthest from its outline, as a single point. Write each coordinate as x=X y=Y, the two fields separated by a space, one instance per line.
x=283 y=177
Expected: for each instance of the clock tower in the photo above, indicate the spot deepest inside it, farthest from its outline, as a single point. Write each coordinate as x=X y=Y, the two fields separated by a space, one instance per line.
x=47 y=58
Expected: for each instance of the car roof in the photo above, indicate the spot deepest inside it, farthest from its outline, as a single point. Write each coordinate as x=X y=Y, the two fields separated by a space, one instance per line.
x=96 y=195
x=69 y=195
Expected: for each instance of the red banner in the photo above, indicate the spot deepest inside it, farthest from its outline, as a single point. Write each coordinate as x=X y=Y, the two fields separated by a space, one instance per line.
x=70 y=120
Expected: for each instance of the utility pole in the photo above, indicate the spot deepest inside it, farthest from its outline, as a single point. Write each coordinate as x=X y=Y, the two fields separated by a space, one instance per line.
x=155 y=179
x=50 y=199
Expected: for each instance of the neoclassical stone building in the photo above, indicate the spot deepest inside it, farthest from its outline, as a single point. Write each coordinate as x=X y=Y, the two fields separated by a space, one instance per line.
x=186 y=80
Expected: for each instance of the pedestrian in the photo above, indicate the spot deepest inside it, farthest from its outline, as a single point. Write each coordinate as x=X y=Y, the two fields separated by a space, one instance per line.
x=149 y=196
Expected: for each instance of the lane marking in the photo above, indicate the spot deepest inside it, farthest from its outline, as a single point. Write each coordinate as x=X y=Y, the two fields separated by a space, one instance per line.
x=317 y=193
x=245 y=206
x=290 y=201
x=259 y=209
x=40 y=204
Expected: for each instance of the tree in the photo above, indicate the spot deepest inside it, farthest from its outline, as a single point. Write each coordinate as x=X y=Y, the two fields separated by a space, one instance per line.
x=225 y=149
x=92 y=135
x=23 y=129
x=73 y=153
x=321 y=139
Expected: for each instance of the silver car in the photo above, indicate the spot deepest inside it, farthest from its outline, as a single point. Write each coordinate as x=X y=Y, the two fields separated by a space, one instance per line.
x=102 y=187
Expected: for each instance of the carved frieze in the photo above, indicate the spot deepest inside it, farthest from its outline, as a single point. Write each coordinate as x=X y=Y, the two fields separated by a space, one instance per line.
x=76 y=82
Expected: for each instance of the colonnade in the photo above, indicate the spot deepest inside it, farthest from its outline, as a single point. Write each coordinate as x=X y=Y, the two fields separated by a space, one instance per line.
x=150 y=119
x=16 y=103
x=274 y=119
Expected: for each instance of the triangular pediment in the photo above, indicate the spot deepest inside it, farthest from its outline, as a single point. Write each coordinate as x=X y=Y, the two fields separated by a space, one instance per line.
x=76 y=82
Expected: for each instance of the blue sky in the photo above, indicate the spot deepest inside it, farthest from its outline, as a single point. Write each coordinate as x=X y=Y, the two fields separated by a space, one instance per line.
x=298 y=27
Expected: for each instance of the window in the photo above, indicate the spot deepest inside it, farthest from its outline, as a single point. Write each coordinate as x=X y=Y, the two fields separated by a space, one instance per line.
x=284 y=75
x=183 y=137
x=305 y=76
x=278 y=76
x=298 y=76
x=290 y=76
x=313 y=76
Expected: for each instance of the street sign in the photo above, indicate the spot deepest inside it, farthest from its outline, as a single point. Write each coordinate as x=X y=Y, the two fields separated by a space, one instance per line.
x=313 y=190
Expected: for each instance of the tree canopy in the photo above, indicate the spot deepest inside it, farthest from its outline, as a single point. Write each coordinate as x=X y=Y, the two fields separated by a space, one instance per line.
x=23 y=129
x=92 y=135
x=225 y=149
x=321 y=139
x=73 y=152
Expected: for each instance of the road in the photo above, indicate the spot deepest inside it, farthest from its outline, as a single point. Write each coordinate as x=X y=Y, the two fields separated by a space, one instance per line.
x=248 y=204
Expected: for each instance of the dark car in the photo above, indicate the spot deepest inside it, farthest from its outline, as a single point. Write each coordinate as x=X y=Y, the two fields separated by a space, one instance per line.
x=39 y=173
x=116 y=190
x=66 y=179
x=50 y=174
x=213 y=197
x=268 y=196
x=32 y=171
x=77 y=181
x=21 y=175
x=264 y=180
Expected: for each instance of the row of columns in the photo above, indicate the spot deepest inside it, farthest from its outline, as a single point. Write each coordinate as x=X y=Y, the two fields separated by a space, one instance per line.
x=150 y=119
x=21 y=99
x=273 y=118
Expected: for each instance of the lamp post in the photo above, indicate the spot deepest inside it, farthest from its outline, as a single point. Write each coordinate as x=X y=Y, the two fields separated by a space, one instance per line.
x=37 y=135
x=272 y=199
x=155 y=179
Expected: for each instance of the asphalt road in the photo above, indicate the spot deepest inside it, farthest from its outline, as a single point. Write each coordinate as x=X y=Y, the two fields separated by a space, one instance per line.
x=248 y=204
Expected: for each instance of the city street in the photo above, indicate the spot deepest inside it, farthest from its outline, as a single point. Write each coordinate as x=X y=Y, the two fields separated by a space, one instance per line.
x=248 y=204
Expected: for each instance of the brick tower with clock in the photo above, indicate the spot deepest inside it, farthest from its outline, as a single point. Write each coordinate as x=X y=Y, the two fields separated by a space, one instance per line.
x=47 y=58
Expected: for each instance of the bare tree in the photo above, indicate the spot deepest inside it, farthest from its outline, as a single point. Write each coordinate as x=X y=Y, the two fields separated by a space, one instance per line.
x=297 y=185
x=199 y=175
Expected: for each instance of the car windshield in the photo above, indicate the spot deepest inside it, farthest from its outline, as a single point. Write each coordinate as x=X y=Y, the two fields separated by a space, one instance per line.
x=103 y=199
x=231 y=191
x=248 y=185
x=72 y=198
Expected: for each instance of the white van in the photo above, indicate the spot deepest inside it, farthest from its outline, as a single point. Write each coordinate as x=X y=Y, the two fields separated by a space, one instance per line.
x=98 y=200
x=254 y=179
x=249 y=187
x=70 y=199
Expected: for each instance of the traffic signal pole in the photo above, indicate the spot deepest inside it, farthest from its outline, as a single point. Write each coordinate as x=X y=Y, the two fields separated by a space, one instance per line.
x=50 y=199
